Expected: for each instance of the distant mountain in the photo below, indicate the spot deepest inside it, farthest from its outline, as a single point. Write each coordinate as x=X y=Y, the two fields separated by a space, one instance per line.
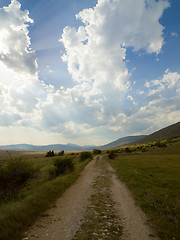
x=24 y=147
x=69 y=146
x=171 y=131
x=54 y=147
x=121 y=141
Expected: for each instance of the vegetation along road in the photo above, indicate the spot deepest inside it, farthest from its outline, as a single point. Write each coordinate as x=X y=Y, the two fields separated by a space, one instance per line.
x=97 y=206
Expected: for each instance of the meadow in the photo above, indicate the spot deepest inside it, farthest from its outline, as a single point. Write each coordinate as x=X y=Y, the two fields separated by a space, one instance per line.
x=153 y=176
x=32 y=183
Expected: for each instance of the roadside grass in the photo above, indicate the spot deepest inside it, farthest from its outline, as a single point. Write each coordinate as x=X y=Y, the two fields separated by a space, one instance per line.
x=39 y=194
x=154 y=180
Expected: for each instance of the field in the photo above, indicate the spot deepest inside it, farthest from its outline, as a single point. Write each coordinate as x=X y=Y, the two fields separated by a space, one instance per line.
x=153 y=176
x=151 y=171
x=20 y=209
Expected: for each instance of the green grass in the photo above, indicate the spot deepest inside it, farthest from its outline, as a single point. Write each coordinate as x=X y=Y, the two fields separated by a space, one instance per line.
x=17 y=214
x=154 y=180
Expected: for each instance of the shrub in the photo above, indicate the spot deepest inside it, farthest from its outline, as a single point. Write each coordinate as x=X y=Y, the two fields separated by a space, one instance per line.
x=176 y=139
x=14 y=175
x=128 y=150
x=61 y=153
x=61 y=166
x=121 y=150
x=144 y=150
x=161 y=144
x=112 y=155
x=96 y=151
x=85 y=155
x=50 y=154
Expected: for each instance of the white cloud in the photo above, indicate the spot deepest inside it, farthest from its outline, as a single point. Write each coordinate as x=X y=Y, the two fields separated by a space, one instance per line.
x=169 y=82
x=101 y=102
x=132 y=99
x=49 y=69
x=158 y=107
x=19 y=83
x=96 y=52
x=171 y=79
x=15 y=50
x=174 y=34
x=129 y=23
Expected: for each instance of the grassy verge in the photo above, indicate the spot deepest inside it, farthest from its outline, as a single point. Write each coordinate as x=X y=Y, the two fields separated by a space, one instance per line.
x=39 y=194
x=153 y=178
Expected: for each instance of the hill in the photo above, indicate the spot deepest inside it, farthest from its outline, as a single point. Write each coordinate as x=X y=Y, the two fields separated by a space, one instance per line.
x=121 y=141
x=171 y=131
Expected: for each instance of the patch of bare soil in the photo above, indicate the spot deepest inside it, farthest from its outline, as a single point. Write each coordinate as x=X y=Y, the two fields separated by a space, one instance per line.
x=101 y=220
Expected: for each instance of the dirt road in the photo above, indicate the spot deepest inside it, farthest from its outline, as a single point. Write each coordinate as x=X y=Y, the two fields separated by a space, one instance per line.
x=98 y=206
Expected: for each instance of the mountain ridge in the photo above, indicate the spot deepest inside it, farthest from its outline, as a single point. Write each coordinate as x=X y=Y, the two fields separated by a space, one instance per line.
x=170 y=131
x=67 y=147
x=121 y=141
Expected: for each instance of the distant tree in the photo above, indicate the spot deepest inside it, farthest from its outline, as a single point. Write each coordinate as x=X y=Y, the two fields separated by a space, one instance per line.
x=50 y=154
x=96 y=151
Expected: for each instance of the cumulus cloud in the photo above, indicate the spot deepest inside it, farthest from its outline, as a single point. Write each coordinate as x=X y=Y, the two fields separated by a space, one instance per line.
x=96 y=51
x=130 y=23
x=158 y=106
x=101 y=101
x=15 y=50
x=169 y=82
x=20 y=87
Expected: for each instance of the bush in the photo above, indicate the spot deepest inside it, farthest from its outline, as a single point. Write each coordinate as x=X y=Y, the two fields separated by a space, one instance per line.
x=85 y=155
x=161 y=144
x=144 y=150
x=61 y=153
x=96 y=151
x=128 y=150
x=61 y=167
x=112 y=155
x=50 y=154
x=14 y=175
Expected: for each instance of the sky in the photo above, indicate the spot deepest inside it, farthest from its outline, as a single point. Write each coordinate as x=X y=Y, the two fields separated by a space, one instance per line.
x=87 y=72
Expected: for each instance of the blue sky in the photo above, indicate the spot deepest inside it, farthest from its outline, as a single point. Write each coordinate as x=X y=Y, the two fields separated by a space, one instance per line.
x=87 y=72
